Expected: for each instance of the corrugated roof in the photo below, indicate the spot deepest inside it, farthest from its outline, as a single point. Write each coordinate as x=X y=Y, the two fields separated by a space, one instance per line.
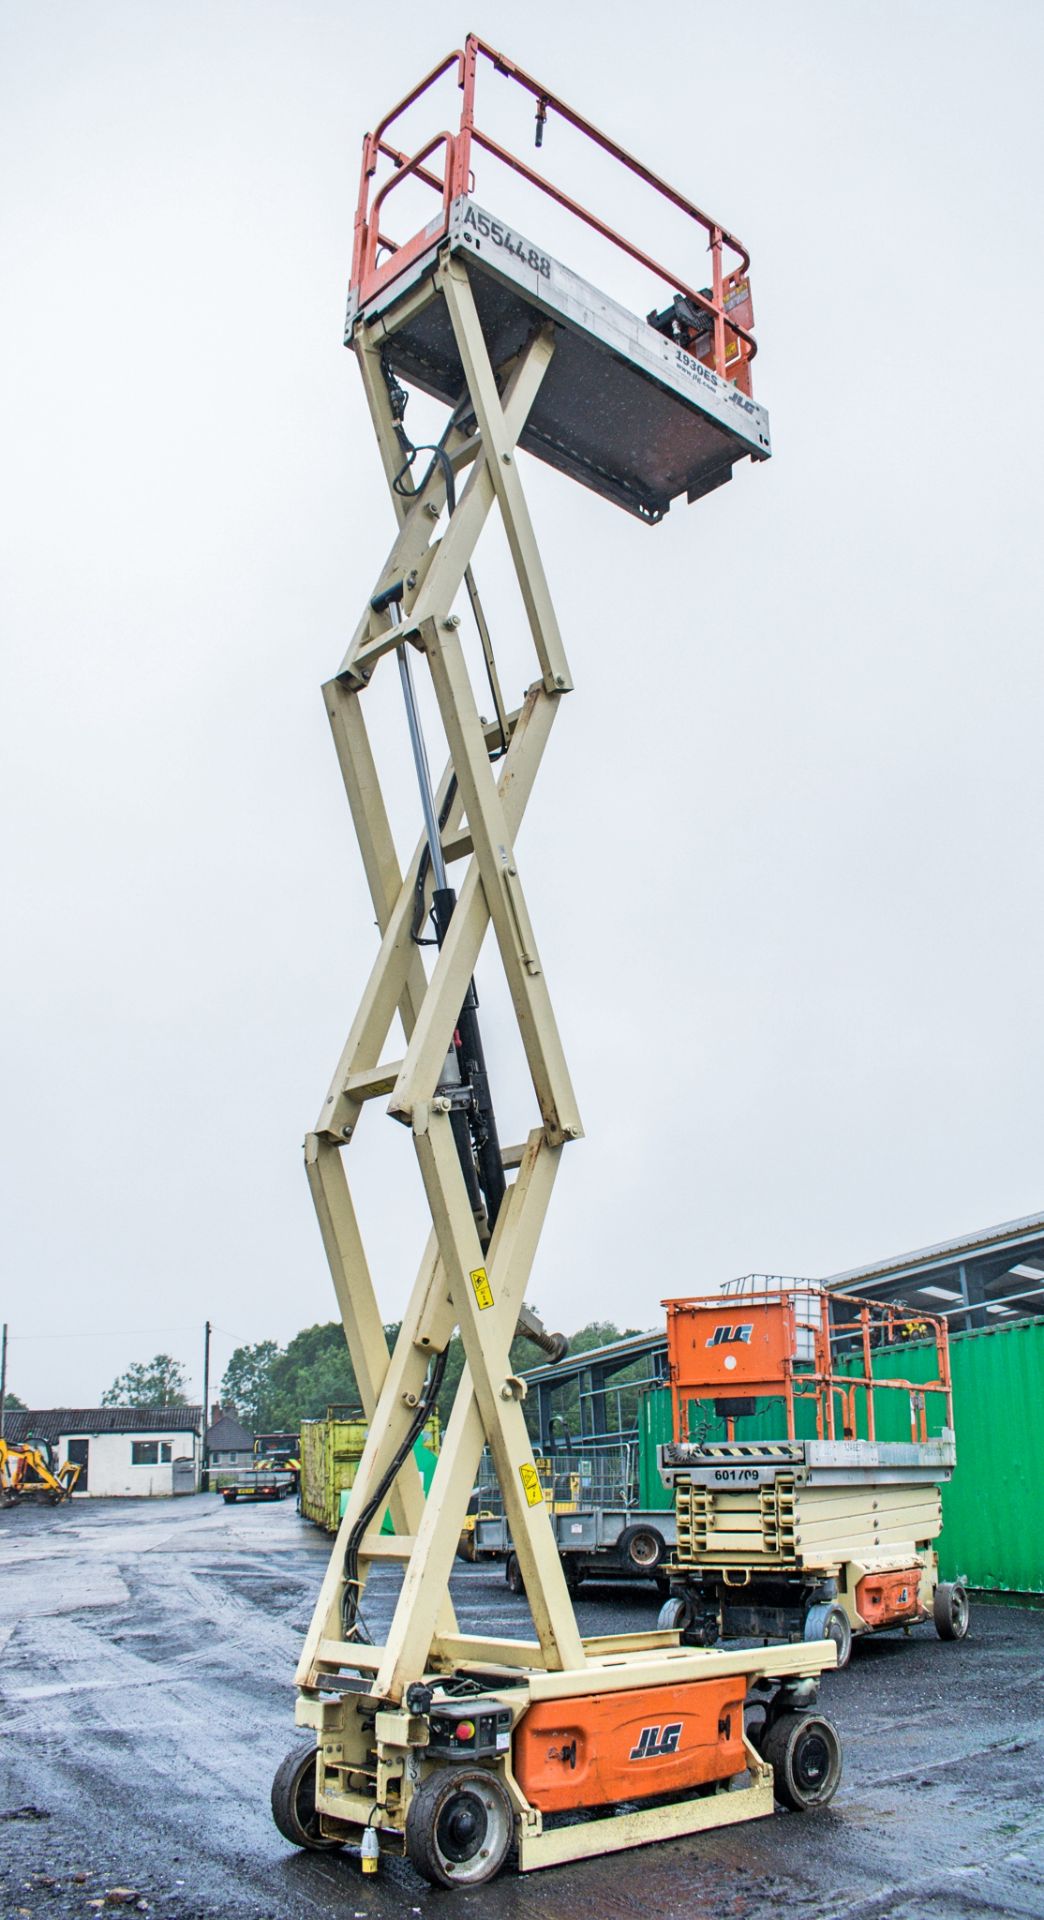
x=967 y=1245
x=51 y=1423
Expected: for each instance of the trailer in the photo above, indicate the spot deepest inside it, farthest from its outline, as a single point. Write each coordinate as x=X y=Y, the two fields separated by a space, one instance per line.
x=600 y=1528
x=257 y=1483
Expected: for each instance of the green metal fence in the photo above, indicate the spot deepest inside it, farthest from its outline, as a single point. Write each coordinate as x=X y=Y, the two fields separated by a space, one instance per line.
x=993 y=1508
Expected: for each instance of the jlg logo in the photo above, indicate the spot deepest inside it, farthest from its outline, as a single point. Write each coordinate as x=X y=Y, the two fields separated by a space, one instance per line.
x=725 y=1336
x=651 y=1743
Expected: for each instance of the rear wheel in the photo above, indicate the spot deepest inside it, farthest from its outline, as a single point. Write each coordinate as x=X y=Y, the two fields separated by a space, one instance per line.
x=830 y=1622
x=293 y=1802
x=459 y=1827
x=950 y=1610
x=804 y=1752
x=641 y=1549
x=513 y=1574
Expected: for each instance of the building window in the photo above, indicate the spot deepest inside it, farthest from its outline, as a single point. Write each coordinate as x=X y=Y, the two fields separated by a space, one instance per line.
x=164 y=1453
x=144 y=1453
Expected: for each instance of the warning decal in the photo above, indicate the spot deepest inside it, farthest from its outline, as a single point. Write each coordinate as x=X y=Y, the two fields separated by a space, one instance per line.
x=483 y=1290
x=531 y=1485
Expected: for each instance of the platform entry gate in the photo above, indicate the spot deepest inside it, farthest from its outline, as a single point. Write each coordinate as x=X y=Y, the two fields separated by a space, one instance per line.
x=525 y=356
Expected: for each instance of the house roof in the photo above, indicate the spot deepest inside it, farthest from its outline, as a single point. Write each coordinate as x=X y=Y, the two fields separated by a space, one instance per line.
x=230 y=1434
x=51 y=1423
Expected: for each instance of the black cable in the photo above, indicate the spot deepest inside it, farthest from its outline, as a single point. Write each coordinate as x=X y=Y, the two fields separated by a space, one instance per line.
x=397 y=401
x=439 y=458
x=397 y=398
x=352 y=1624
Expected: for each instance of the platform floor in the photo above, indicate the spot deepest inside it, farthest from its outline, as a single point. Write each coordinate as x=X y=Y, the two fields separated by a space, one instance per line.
x=621 y=409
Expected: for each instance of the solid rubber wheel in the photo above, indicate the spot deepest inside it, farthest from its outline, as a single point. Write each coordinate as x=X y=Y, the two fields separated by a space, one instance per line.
x=641 y=1548
x=830 y=1622
x=459 y=1826
x=675 y=1614
x=804 y=1752
x=950 y=1610
x=513 y=1574
x=293 y=1801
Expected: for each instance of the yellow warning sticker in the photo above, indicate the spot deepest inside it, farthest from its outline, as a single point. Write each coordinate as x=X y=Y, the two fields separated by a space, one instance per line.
x=531 y=1485
x=483 y=1290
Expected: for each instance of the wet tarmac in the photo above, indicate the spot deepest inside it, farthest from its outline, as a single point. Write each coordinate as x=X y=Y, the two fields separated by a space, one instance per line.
x=146 y=1654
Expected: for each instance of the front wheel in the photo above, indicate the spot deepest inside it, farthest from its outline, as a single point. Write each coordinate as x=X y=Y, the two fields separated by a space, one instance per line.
x=459 y=1827
x=293 y=1801
x=675 y=1616
x=513 y=1574
x=830 y=1622
x=950 y=1610
x=804 y=1752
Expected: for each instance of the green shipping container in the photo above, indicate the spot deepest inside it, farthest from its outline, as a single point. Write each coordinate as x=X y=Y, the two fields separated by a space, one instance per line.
x=993 y=1508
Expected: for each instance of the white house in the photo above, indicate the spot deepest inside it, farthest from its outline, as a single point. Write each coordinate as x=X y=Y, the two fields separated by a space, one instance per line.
x=120 y=1450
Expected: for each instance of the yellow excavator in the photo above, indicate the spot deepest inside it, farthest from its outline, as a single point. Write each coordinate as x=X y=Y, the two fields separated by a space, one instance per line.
x=29 y=1471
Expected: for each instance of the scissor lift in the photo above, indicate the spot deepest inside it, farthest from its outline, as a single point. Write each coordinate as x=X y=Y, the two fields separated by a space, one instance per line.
x=454 y=1746
x=813 y=1513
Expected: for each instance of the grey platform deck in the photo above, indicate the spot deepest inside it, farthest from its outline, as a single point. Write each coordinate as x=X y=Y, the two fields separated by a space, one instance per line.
x=622 y=409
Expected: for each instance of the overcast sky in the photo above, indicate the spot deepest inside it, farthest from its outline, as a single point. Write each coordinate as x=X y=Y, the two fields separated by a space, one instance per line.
x=783 y=860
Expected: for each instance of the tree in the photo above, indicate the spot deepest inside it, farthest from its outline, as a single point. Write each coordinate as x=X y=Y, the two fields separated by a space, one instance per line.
x=247 y=1384
x=12 y=1400
x=313 y=1373
x=159 y=1383
x=275 y=1388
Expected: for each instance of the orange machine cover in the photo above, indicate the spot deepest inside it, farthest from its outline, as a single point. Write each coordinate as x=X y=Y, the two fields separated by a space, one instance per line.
x=604 y=1747
x=721 y=1347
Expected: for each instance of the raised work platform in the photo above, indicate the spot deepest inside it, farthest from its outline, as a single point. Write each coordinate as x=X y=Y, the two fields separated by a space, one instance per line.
x=622 y=409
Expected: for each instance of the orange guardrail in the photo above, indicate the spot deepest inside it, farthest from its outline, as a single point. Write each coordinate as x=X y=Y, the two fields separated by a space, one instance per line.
x=725 y=303
x=800 y=1344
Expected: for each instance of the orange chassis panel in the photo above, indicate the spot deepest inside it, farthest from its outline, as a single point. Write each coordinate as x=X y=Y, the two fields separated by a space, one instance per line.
x=886 y=1599
x=600 y=1748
